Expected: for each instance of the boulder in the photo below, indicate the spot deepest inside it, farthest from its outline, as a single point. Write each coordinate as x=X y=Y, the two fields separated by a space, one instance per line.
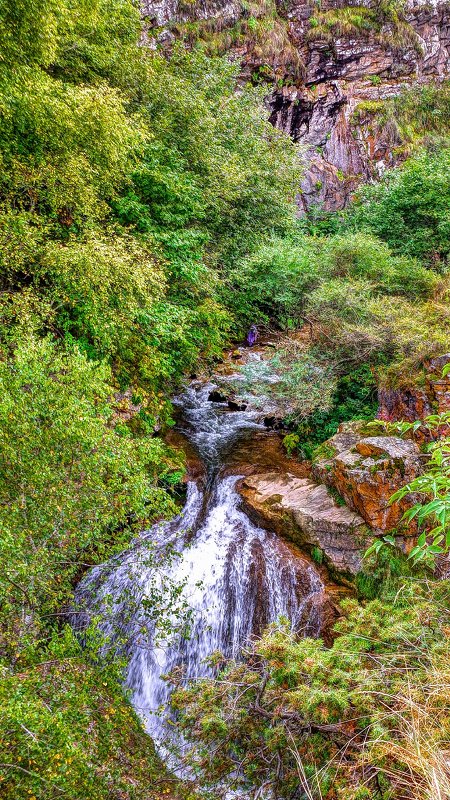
x=306 y=513
x=236 y=405
x=216 y=396
x=367 y=470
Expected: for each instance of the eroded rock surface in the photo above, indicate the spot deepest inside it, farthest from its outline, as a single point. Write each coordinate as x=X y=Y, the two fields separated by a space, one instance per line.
x=367 y=470
x=416 y=402
x=305 y=512
x=329 y=88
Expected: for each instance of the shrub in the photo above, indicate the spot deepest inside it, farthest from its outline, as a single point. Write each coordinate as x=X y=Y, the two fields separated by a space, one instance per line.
x=409 y=209
x=285 y=713
x=68 y=478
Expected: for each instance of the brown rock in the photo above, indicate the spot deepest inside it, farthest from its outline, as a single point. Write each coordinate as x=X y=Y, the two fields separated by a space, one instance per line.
x=413 y=403
x=403 y=404
x=367 y=470
x=304 y=512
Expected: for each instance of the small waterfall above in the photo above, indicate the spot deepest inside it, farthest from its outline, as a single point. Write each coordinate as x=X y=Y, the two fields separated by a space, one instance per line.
x=236 y=577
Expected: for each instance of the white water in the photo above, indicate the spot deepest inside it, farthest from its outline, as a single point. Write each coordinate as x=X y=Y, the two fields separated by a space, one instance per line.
x=237 y=577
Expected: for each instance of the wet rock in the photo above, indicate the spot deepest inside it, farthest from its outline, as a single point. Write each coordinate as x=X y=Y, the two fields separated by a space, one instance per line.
x=195 y=468
x=305 y=512
x=275 y=423
x=216 y=396
x=366 y=471
x=236 y=405
x=322 y=611
x=259 y=451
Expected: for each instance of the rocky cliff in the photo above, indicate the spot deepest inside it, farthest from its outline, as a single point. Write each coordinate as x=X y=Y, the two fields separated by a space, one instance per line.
x=330 y=66
x=414 y=402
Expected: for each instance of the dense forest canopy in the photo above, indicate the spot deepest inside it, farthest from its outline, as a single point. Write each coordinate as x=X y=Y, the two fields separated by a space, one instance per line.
x=147 y=218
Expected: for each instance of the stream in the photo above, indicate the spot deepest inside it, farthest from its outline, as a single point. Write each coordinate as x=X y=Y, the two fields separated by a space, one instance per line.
x=236 y=577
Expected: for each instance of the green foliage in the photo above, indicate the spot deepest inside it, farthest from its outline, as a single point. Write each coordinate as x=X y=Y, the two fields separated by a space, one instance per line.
x=281 y=272
x=60 y=159
x=290 y=442
x=283 y=715
x=317 y=555
x=122 y=208
x=409 y=209
x=147 y=208
x=432 y=513
x=217 y=165
x=360 y=257
x=29 y=31
x=67 y=731
x=68 y=479
x=355 y=397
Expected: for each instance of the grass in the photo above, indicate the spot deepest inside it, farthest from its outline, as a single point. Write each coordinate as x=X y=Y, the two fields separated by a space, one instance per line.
x=263 y=33
x=385 y=24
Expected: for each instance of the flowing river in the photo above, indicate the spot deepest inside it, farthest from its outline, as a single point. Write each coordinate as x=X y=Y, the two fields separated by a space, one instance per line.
x=236 y=577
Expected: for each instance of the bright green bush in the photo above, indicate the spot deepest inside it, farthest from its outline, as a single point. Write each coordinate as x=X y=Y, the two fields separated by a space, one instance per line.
x=283 y=716
x=409 y=209
x=363 y=257
x=273 y=282
x=68 y=480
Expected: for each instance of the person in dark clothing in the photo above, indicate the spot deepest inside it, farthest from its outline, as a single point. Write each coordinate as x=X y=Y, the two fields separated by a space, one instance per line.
x=252 y=336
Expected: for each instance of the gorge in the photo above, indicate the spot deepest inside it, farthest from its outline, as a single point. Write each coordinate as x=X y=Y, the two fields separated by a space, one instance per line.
x=224 y=567
x=236 y=578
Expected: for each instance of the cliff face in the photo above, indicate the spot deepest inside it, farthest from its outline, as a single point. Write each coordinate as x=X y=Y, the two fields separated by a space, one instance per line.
x=337 y=113
x=333 y=63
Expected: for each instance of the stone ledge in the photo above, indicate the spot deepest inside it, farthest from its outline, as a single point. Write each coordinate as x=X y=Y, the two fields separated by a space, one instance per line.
x=304 y=512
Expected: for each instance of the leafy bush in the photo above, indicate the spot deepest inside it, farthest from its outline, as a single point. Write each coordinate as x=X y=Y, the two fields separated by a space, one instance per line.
x=362 y=257
x=355 y=397
x=68 y=478
x=273 y=281
x=432 y=512
x=284 y=715
x=409 y=209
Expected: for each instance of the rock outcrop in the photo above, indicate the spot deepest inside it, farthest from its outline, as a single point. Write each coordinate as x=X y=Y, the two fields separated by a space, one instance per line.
x=412 y=403
x=347 y=77
x=367 y=470
x=307 y=514
x=332 y=72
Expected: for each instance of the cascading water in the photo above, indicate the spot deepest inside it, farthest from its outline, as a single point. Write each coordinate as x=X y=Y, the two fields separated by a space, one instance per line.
x=237 y=578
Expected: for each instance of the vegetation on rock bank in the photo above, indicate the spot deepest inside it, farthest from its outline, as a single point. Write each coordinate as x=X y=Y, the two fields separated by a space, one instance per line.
x=147 y=215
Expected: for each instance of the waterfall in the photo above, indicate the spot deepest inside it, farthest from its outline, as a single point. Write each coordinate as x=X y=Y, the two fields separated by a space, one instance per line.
x=236 y=577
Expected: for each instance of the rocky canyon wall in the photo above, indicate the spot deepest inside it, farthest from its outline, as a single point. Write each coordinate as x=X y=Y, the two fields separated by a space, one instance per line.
x=331 y=66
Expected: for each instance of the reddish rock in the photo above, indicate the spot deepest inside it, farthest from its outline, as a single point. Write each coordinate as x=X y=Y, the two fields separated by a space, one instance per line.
x=403 y=404
x=367 y=470
x=411 y=403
